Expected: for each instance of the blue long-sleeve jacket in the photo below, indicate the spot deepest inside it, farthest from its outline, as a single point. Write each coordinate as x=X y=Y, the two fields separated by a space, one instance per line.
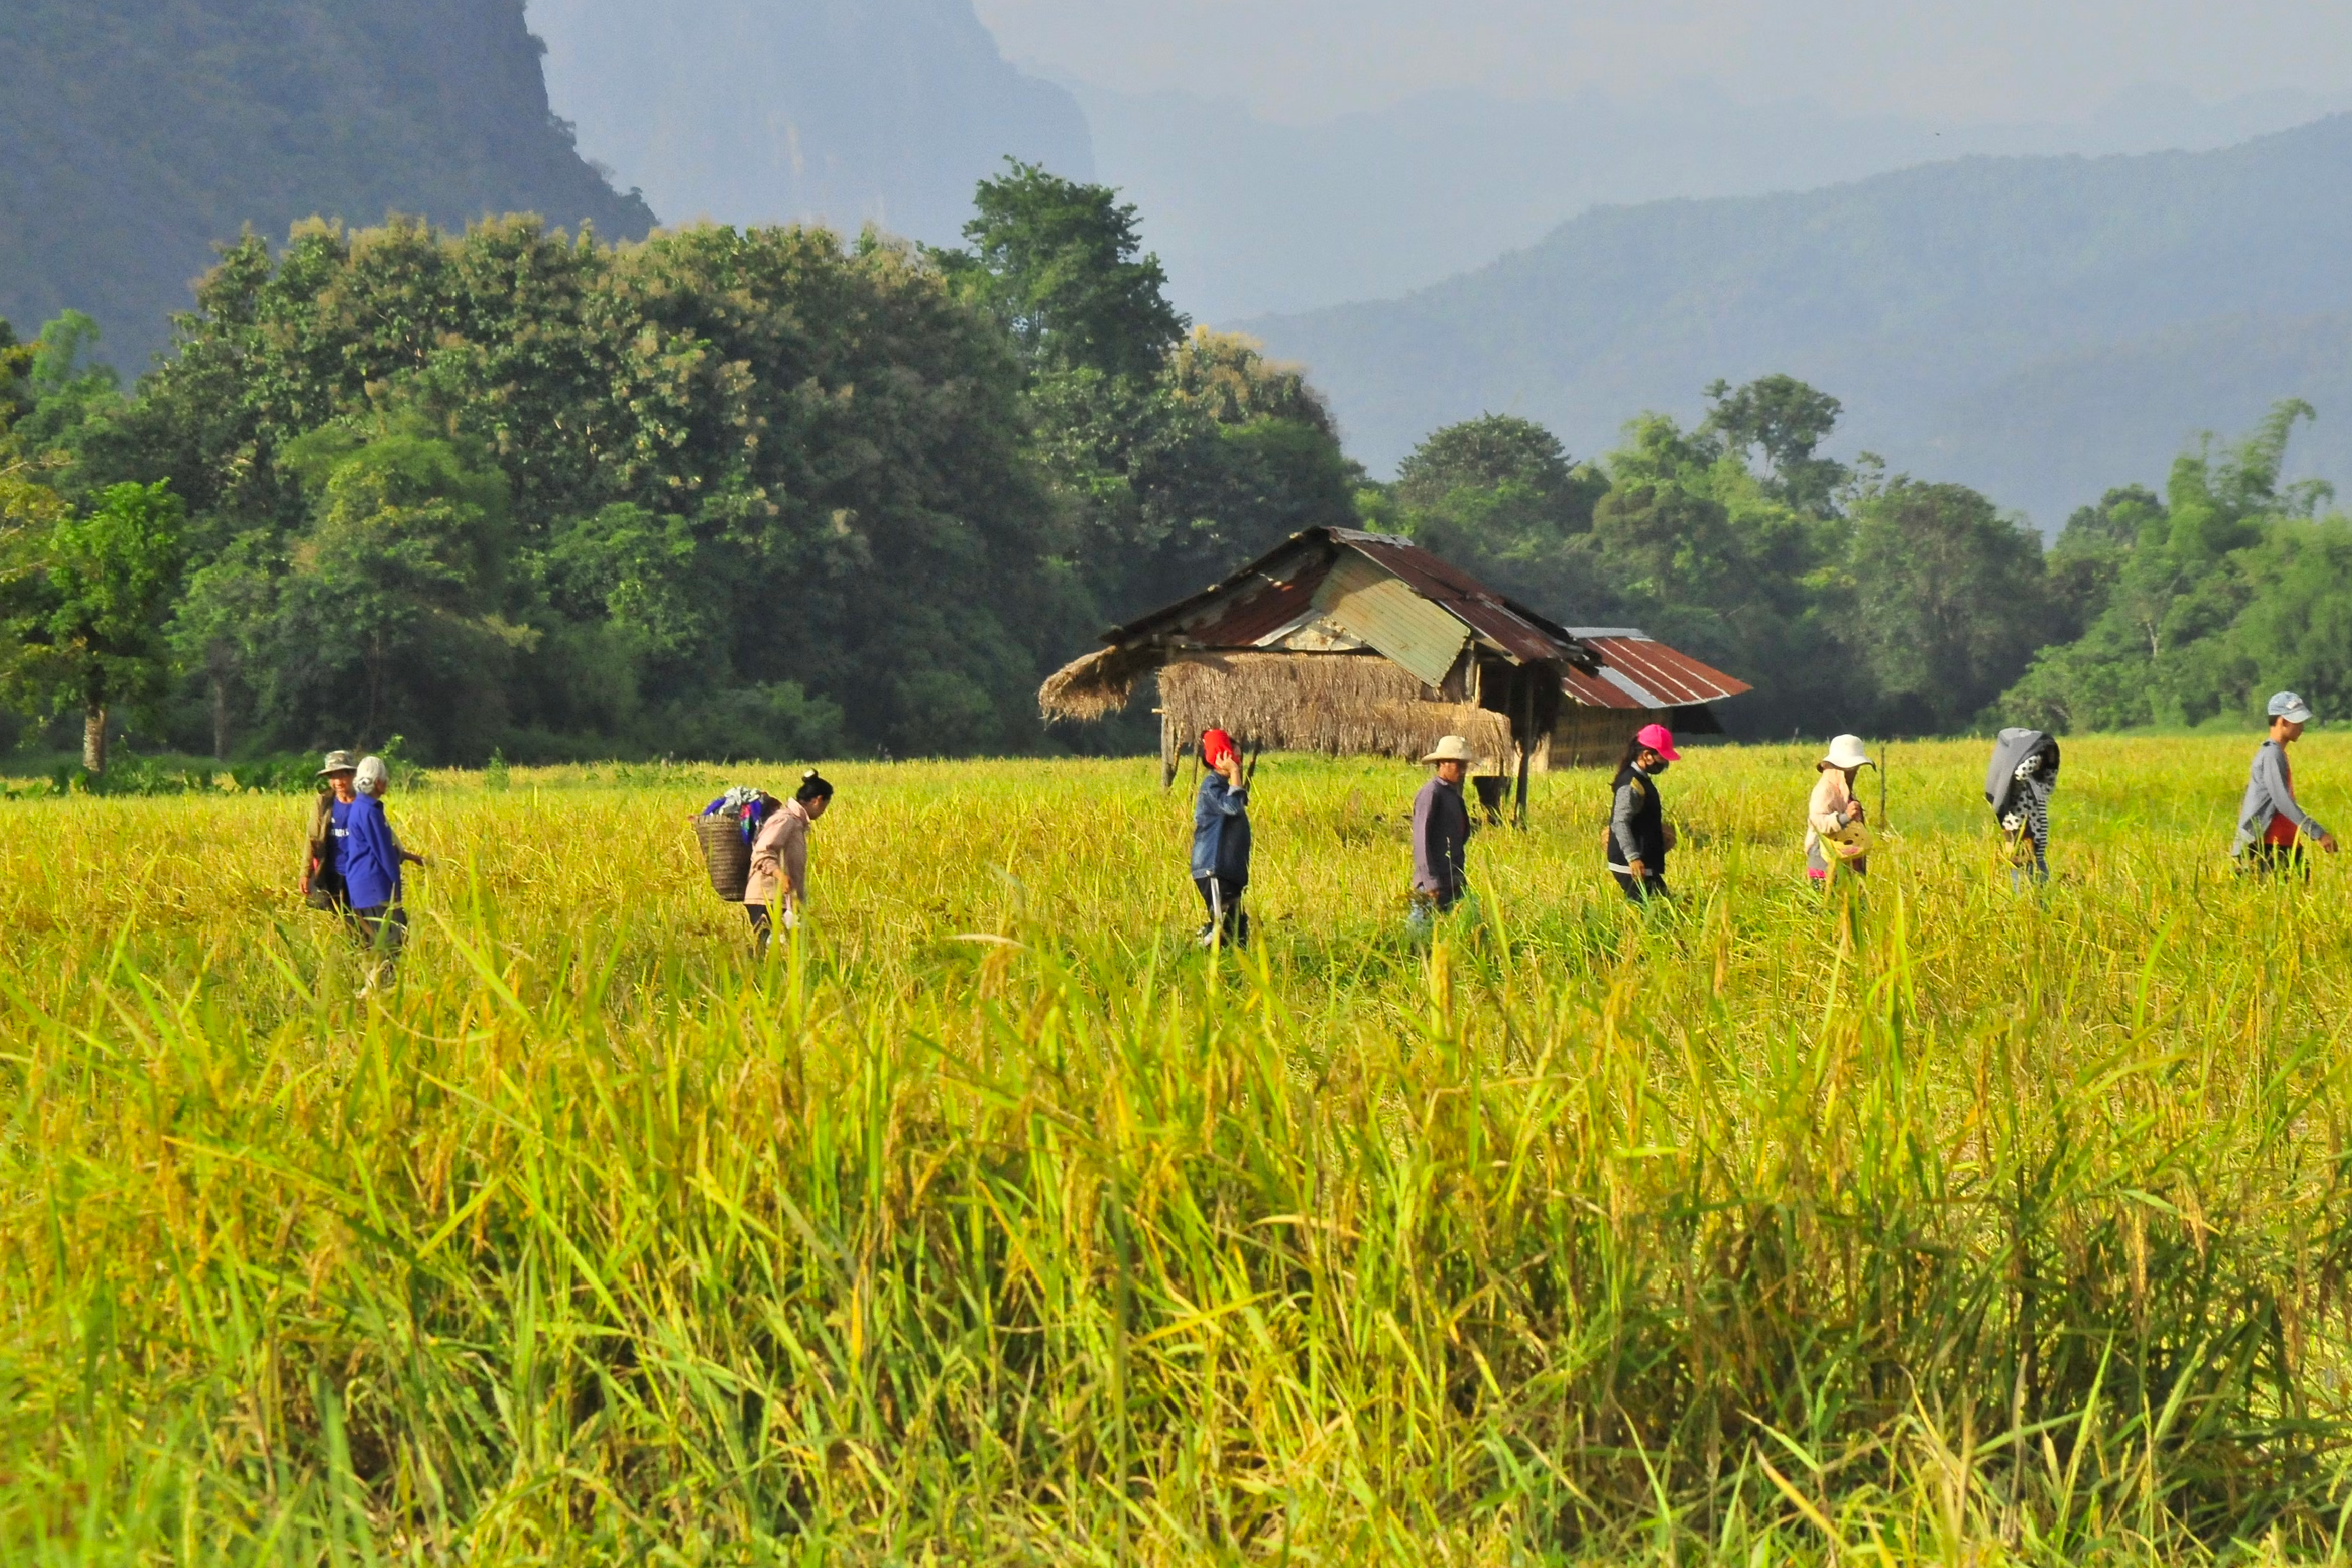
x=1220 y=833
x=366 y=853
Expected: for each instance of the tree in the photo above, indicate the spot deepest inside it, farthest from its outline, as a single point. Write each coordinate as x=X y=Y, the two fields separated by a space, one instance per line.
x=1058 y=263
x=1788 y=421
x=2204 y=591
x=827 y=448
x=222 y=629
x=69 y=391
x=389 y=616
x=16 y=377
x=89 y=631
x=1949 y=601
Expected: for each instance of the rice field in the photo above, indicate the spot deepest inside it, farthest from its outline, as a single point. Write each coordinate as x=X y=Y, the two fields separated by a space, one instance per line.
x=990 y=1221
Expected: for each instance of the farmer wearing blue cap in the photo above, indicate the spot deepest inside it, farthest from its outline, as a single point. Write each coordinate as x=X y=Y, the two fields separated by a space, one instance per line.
x=2271 y=826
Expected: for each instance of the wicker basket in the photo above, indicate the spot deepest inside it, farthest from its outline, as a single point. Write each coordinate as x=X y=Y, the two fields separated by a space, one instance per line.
x=724 y=851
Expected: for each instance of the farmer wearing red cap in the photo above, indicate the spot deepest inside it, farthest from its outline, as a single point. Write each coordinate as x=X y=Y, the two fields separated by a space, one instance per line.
x=1221 y=841
x=1637 y=822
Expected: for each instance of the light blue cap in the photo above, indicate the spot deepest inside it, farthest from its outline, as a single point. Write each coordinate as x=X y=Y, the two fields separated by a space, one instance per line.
x=2290 y=708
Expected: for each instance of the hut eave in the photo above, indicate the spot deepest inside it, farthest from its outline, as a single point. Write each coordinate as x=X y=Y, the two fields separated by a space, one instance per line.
x=1097 y=685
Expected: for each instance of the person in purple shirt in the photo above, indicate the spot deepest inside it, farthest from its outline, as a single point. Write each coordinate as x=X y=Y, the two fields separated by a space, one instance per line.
x=368 y=857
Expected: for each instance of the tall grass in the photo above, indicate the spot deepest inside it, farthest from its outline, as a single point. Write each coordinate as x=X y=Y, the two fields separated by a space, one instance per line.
x=991 y=1222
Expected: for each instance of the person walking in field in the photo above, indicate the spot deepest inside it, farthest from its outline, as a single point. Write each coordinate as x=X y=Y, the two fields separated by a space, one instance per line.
x=1638 y=837
x=1835 y=838
x=2017 y=784
x=322 y=883
x=369 y=858
x=1221 y=841
x=373 y=778
x=2271 y=825
x=779 y=879
x=1441 y=832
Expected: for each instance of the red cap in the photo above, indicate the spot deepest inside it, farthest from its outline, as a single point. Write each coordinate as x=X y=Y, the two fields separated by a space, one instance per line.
x=1215 y=746
x=1660 y=739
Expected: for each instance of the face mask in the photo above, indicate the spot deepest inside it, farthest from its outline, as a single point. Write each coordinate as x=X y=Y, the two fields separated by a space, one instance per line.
x=1660 y=765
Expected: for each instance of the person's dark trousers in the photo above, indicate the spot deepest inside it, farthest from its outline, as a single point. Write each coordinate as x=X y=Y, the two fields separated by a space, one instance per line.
x=1224 y=905
x=383 y=926
x=2277 y=860
x=762 y=928
x=1641 y=889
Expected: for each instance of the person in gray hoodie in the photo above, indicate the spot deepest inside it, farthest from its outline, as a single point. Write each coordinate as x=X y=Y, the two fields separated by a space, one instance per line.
x=2271 y=825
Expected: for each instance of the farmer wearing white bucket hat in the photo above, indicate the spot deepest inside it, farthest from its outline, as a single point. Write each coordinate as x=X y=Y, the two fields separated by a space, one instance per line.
x=1835 y=836
x=1441 y=831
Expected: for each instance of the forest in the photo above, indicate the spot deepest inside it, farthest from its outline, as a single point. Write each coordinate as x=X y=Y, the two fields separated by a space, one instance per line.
x=516 y=493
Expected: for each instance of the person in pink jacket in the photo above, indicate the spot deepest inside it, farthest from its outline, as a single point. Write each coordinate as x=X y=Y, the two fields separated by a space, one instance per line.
x=779 y=878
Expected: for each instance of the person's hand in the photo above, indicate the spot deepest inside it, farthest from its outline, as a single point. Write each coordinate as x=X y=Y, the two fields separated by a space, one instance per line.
x=2327 y=843
x=1853 y=812
x=1638 y=869
x=1230 y=765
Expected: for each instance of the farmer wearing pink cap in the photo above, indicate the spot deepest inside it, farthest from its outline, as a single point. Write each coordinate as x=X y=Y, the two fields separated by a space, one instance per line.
x=1638 y=840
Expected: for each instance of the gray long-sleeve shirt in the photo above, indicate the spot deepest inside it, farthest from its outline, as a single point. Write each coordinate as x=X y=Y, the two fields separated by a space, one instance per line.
x=1441 y=838
x=2270 y=792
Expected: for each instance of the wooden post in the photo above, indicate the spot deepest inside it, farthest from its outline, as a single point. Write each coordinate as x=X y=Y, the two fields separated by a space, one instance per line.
x=1527 y=741
x=1167 y=750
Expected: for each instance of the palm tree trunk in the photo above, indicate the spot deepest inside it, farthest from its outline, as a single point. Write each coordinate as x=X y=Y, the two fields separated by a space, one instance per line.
x=93 y=740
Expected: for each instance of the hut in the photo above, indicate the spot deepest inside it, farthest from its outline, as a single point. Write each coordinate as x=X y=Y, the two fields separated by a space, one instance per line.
x=1353 y=644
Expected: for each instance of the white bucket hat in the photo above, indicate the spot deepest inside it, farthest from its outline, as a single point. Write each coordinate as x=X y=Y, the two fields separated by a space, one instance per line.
x=1845 y=751
x=1450 y=748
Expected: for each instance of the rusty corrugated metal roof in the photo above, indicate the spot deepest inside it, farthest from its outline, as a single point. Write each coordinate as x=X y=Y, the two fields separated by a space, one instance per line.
x=1240 y=613
x=1637 y=671
x=1515 y=629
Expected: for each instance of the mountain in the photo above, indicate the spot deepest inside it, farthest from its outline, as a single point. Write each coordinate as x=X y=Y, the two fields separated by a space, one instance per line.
x=850 y=111
x=2040 y=327
x=136 y=133
x=1253 y=217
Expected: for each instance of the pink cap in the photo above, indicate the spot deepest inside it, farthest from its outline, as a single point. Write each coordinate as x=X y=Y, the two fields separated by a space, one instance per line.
x=1660 y=739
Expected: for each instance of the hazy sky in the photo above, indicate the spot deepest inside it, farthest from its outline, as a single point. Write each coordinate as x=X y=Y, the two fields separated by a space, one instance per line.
x=1948 y=59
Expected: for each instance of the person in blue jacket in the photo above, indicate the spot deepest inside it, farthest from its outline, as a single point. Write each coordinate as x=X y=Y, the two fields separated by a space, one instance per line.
x=1221 y=841
x=368 y=858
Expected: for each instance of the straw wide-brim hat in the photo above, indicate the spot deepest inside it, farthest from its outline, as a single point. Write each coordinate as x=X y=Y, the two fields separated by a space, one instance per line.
x=1845 y=751
x=1450 y=748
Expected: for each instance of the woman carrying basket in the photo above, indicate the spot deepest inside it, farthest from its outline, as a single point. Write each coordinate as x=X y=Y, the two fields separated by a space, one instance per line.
x=1835 y=838
x=780 y=858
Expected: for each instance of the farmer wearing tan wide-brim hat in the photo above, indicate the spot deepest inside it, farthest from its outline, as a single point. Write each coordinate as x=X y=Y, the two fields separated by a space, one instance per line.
x=322 y=878
x=1835 y=836
x=1441 y=828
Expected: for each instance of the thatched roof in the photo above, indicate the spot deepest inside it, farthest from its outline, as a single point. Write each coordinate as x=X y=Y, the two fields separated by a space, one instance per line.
x=1347 y=704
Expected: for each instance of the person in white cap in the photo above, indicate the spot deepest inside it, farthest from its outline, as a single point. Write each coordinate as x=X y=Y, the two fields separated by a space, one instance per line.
x=2271 y=825
x=1441 y=831
x=373 y=777
x=1834 y=838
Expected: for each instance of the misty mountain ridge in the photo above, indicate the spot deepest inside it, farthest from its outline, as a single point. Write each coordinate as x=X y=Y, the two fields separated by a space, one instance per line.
x=1962 y=310
x=134 y=136
x=1255 y=216
x=846 y=112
